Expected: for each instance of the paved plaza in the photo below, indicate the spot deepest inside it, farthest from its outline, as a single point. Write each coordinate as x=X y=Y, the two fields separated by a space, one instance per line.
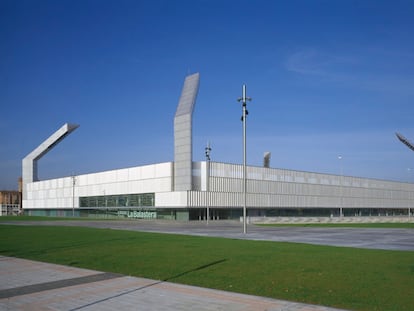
x=31 y=285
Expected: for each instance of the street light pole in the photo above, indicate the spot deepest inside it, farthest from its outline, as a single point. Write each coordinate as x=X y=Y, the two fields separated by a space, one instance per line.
x=73 y=194
x=244 y=100
x=409 y=208
x=208 y=150
x=341 y=185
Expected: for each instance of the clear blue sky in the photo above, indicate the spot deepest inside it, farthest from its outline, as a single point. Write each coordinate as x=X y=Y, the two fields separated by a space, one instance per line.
x=327 y=78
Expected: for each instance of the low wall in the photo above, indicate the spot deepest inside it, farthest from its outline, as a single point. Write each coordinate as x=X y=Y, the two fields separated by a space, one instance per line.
x=310 y=220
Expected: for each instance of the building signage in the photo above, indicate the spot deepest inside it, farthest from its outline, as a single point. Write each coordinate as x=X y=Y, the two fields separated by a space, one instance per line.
x=139 y=214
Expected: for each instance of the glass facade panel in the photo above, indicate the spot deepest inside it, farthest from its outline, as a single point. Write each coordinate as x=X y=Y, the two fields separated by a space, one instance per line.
x=134 y=200
x=100 y=201
x=112 y=200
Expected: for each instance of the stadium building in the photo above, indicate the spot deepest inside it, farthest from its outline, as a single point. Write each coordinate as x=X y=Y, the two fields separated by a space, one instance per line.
x=185 y=190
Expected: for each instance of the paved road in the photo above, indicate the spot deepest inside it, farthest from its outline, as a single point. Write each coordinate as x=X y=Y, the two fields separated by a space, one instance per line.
x=389 y=239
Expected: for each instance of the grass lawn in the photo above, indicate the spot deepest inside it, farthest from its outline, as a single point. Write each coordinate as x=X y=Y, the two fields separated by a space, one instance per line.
x=47 y=218
x=348 y=278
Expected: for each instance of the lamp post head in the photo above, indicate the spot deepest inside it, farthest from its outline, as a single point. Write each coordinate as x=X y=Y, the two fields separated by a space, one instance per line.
x=207 y=151
x=244 y=98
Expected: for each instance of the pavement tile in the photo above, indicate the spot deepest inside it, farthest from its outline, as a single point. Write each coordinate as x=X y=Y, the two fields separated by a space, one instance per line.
x=123 y=293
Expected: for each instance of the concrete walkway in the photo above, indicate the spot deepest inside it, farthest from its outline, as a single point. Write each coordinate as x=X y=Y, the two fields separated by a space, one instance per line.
x=31 y=285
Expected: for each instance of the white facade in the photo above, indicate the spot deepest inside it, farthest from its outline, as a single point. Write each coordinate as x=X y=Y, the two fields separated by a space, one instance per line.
x=64 y=193
x=279 y=188
x=267 y=188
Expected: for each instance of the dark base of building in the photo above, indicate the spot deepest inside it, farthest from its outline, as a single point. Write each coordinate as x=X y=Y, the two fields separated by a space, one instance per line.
x=214 y=213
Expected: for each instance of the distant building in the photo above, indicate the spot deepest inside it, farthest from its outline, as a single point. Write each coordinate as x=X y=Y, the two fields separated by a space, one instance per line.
x=182 y=190
x=10 y=202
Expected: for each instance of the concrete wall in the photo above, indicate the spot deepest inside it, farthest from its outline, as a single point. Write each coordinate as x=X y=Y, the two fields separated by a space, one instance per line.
x=29 y=163
x=267 y=188
x=62 y=193
x=183 y=146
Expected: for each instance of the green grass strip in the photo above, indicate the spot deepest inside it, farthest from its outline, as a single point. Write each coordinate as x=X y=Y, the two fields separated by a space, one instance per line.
x=50 y=218
x=348 y=278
